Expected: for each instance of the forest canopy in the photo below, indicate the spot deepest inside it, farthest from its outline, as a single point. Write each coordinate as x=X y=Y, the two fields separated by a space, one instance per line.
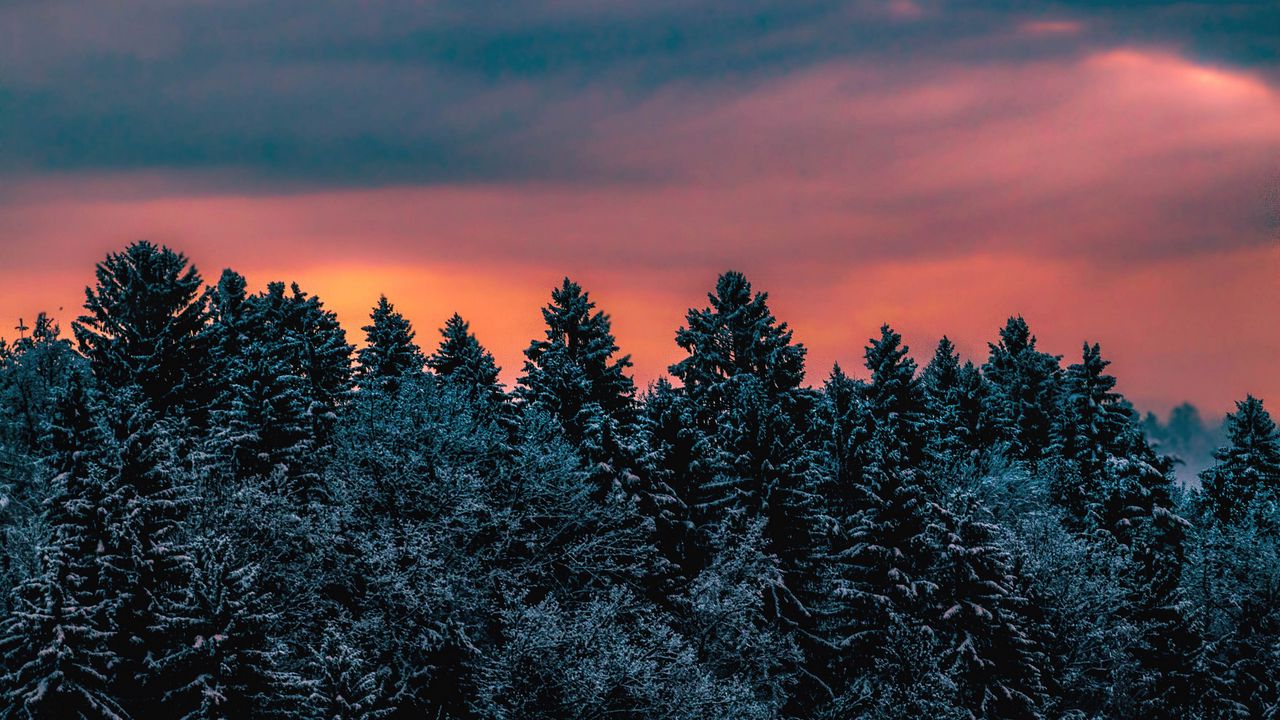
x=212 y=505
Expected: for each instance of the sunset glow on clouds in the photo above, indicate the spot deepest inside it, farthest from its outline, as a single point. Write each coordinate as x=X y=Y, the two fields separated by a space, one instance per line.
x=1118 y=190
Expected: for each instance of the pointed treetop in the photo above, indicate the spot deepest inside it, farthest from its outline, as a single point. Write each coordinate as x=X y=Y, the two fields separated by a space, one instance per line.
x=142 y=325
x=461 y=357
x=738 y=335
x=390 y=350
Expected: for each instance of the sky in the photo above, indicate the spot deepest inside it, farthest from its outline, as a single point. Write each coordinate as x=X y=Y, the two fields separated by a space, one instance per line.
x=1108 y=170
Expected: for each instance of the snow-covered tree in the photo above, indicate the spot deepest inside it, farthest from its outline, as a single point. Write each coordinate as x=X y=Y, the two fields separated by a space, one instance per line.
x=143 y=326
x=344 y=686
x=462 y=360
x=389 y=350
x=1094 y=426
x=574 y=374
x=1024 y=391
x=752 y=438
x=1248 y=469
x=55 y=644
x=953 y=396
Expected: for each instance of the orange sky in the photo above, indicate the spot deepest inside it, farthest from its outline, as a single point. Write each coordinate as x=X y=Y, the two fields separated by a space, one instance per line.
x=1127 y=197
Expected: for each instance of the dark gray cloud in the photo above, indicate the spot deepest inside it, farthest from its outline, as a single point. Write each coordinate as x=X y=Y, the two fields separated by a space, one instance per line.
x=340 y=93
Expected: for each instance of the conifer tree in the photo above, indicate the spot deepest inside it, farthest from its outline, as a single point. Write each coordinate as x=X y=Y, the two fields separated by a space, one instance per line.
x=1247 y=470
x=464 y=361
x=573 y=373
x=1023 y=401
x=389 y=351
x=736 y=335
x=895 y=401
x=886 y=517
x=988 y=646
x=145 y=560
x=302 y=344
x=953 y=395
x=55 y=642
x=33 y=373
x=228 y=665
x=1095 y=424
x=344 y=686
x=260 y=420
x=751 y=436
x=143 y=326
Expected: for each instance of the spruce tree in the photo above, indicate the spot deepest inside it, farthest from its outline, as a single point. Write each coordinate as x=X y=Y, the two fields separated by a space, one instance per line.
x=895 y=401
x=752 y=439
x=229 y=664
x=886 y=519
x=343 y=685
x=462 y=360
x=1247 y=470
x=1024 y=384
x=145 y=559
x=736 y=335
x=389 y=351
x=1095 y=424
x=260 y=419
x=953 y=396
x=143 y=326
x=989 y=647
x=55 y=642
x=303 y=344
x=573 y=373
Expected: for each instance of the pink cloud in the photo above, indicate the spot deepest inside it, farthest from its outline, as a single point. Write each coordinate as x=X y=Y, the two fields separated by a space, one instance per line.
x=1122 y=197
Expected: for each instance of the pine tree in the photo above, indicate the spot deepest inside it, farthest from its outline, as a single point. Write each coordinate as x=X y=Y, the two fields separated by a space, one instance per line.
x=1095 y=425
x=145 y=560
x=573 y=374
x=736 y=335
x=389 y=351
x=143 y=327
x=55 y=642
x=752 y=438
x=1248 y=470
x=344 y=687
x=988 y=645
x=1023 y=401
x=464 y=361
x=953 y=396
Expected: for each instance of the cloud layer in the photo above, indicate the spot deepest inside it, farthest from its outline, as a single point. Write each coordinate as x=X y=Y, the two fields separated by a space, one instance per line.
x=1110 y=170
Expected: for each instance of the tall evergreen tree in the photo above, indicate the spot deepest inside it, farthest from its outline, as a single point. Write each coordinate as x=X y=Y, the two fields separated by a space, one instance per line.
x=1248 y=469
x=750 y=430
x=1094 y=425
x=389 y=351
x=55 y=643
x=895 y=401
x=736 y=335
x=886 y=516
x=143 y=326
x=145 y=559
x=573 y=373
x=988 y=645
x=953 y=395
x=464 y=361
x=260 y=420
x=1024 y=396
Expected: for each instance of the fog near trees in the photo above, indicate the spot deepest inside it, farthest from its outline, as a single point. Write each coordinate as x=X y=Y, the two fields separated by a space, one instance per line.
x=213 y=506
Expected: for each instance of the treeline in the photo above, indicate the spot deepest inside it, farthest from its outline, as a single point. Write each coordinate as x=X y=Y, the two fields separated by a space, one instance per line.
x=214 y=507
